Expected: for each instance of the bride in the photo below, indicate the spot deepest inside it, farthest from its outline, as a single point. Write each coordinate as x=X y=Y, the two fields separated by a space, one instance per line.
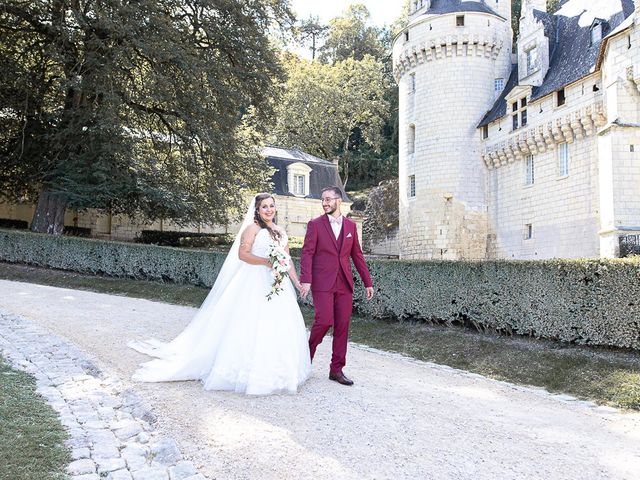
x=239 y=339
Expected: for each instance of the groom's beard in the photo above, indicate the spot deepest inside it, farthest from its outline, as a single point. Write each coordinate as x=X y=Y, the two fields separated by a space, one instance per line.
x=330 y=211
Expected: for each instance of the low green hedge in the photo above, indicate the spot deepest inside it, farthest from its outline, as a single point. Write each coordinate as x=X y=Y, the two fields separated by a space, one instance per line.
x=595 y=302
x=117 y=259
x=170 y=238
x=11 y=223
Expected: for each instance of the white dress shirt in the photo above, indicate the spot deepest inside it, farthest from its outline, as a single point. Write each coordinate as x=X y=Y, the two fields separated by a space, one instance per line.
x=336 y=225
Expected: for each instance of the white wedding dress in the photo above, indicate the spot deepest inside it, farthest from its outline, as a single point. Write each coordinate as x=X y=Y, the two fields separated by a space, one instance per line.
x=238 y=340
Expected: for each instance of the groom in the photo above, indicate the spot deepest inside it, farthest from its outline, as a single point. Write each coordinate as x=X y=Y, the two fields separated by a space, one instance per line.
x=325 y=269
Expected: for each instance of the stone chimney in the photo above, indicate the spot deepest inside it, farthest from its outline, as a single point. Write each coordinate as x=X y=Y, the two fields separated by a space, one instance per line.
x=533 y=45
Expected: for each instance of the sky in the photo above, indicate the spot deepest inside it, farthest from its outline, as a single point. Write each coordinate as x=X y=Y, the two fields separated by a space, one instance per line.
x=383 y=12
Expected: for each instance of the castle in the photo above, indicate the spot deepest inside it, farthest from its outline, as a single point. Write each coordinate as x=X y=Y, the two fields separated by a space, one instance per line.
x=529 y=151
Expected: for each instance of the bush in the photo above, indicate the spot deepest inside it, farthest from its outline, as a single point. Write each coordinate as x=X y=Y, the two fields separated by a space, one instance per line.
x=9 y=223
x=205 y=241
x=177 y=239
x=111 y=258
x=77 y=231
x=594 y=302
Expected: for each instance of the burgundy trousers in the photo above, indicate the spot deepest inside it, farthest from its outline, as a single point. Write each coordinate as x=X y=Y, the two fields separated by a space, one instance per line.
x=333 y=309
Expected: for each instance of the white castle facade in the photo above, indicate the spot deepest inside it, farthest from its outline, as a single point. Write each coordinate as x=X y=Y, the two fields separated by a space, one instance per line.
x=529 y=151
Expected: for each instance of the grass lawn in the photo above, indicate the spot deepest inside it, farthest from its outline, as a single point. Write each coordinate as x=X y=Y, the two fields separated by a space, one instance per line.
x=31 y=438
x=606 y=376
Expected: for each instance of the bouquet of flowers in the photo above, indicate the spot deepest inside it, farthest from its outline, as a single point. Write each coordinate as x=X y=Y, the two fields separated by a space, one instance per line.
x=279 y=268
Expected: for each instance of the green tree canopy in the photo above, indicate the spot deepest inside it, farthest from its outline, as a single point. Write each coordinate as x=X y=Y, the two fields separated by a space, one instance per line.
x=352 y=37
x=310 y=32
x=324 y=105
x=148 y=106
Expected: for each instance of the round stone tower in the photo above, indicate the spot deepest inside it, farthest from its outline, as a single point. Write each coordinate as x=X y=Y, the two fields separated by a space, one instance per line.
x=450 y=63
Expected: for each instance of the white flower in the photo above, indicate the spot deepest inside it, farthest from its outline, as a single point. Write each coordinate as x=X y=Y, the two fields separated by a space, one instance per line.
x=280 y=263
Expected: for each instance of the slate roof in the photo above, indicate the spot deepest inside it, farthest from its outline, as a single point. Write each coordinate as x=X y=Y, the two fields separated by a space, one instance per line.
x=323 y=172
x=572 y=56
x=439 y=7
x=499 y=108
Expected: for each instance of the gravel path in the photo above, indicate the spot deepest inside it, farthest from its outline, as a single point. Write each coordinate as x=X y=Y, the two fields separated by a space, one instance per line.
x=402 y=419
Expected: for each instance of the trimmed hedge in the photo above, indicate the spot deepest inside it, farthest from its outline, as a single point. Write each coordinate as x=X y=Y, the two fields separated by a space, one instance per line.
x=117 y=259
x=10 y=223
x=77 y=231
x=594 y=302
x=170 y=238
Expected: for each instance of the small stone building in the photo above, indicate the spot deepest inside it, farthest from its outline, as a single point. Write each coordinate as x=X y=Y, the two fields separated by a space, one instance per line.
x=298 y=180
x=524 y=152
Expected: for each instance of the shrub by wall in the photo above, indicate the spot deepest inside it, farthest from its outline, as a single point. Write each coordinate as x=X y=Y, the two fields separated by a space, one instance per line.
x=595 y=302
x=171 y=238
x=111 y=258
x=10 y=223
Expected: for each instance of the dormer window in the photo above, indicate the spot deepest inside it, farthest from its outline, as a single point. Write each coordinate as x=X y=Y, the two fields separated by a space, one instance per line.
x=298 y=179
x=596 y=33
x=519 y=113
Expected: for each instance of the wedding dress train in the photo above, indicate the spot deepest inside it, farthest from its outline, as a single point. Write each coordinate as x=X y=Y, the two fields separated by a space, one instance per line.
x=238 y=340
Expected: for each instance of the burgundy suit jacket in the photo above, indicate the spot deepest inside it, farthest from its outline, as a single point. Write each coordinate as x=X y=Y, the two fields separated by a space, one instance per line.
x=321 y=259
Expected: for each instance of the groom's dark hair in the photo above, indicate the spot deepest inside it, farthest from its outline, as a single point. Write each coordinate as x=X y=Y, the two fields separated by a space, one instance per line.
x=336 y=190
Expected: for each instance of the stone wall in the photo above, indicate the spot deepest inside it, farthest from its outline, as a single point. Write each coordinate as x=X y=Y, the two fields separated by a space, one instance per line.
x=446 y=76
x=583 y=213
x=293 y=215
x=619 y=141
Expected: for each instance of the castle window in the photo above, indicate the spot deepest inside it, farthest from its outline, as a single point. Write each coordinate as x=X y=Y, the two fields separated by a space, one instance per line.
x=498 y=85
x=519 y=113
x=561 y=98
x=298 y=178
x=411 y=141
x=563 y=159
x=532 y=60
x=528 y=231
x=298 y=185
x=459 y=20
x=406 y=36
x=485 y=132
x=412 y=79
x=596 y=33
x=529 y=170
x=412 y=186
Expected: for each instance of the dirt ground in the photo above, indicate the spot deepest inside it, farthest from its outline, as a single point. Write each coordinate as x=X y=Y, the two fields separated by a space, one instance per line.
x=401 y=419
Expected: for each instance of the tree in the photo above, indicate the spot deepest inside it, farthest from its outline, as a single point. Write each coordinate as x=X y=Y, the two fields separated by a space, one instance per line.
x=403 y=19
x=351 y=37
x=332 y=109
x=310 y=32
x=152 y=106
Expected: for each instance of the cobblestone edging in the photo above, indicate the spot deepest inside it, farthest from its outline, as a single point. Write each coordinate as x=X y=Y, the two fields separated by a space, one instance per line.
x=111 y=433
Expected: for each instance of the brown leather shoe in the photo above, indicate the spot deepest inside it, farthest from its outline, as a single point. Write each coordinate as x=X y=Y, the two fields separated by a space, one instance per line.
x=340 y=378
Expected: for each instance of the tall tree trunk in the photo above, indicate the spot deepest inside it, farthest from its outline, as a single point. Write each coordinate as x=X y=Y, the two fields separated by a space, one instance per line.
x=345 y=162
x=49 y=214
